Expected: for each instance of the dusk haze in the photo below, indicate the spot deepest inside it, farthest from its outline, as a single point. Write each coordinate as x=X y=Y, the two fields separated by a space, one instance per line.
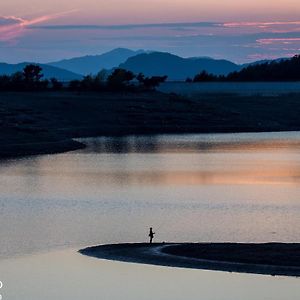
x=149 y=150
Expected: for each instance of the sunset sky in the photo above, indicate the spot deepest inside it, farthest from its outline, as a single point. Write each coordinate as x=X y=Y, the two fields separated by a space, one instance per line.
x=48 y=30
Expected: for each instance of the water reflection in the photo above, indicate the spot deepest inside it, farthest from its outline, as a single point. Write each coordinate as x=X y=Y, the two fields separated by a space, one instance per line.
x=67 y=275
x=131 y=144
x=237 y=187
x=193 y=143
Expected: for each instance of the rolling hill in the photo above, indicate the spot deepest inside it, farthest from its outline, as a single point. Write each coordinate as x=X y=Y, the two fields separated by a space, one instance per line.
x=48 y=71
x=175 y=67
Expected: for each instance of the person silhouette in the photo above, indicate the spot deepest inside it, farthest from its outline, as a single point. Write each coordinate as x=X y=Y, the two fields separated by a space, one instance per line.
x=151 y=235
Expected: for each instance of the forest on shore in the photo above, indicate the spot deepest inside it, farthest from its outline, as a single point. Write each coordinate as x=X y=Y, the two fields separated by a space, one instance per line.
x=282 y=70
x=31 y=78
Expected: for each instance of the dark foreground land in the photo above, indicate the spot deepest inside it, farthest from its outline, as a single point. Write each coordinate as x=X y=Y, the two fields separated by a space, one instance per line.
x=46 y=122
x=268 y=259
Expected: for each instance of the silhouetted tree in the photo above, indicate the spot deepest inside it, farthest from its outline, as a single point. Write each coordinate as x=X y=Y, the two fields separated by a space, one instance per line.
x=154 y=81
x=120 y=79
x=140 y=78
x=32 y=75
x=74 y=85
x=94 y=83
x=101 y=78
x=87 y=83
x=150 y=83
x=17 y=81
x=283 y=70
x=204 y=77
x=55 y=84
x=43 y=84
x=5 y=82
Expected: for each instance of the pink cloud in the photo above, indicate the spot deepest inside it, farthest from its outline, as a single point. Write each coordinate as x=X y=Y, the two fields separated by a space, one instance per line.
x=260 y=24
x=270 y=41
x=11 y=27
x=255 y=27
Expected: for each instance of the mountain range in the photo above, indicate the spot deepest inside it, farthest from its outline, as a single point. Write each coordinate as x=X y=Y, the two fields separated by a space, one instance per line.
x=175 y=67
x=140 y=61
x=92 y=64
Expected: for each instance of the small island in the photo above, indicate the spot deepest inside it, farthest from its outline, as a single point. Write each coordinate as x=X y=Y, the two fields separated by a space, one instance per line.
x=276 y=259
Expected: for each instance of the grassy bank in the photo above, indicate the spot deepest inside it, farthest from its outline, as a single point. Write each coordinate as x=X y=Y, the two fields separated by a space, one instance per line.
x=46 y=122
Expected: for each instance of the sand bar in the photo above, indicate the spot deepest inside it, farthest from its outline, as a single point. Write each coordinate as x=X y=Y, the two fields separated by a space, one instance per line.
x=268 y=259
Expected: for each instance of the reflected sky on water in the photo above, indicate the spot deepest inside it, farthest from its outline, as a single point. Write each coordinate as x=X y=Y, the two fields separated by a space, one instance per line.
x=232 y=187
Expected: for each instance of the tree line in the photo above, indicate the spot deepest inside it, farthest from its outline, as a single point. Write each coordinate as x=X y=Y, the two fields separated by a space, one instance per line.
x=283 y=70
x=31 y=79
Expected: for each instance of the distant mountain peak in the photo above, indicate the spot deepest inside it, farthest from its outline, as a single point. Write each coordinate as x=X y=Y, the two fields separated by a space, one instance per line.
x=150 y=63
x=120 y=49
x=92 y=64
x=176 y=67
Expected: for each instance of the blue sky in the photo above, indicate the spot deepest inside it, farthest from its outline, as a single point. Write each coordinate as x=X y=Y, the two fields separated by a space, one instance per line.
x=50 y=30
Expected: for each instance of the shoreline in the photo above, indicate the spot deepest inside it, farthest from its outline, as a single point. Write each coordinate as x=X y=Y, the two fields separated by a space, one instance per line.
x=182 y=255
x=23 y=150
x=46 y=122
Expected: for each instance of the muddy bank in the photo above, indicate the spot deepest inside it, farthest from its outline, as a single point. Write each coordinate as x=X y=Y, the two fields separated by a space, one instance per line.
x=267 y=259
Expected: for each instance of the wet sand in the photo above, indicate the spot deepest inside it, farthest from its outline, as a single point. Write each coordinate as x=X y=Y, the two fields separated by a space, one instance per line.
x=268 y=259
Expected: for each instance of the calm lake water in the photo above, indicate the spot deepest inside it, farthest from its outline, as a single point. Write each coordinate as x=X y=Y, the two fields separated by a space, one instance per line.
x=241 y=88
x=222 y=187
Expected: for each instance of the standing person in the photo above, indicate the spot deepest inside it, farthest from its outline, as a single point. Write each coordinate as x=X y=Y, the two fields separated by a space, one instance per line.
x=151 y=235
